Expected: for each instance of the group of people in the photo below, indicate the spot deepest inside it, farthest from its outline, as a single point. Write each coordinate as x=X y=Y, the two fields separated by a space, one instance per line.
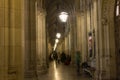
x=66 y=59
x=60 y=58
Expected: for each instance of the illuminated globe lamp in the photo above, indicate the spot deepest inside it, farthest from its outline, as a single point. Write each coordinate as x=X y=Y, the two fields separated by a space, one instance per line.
x=58 y=35
x=63 y=16
x=56 y=40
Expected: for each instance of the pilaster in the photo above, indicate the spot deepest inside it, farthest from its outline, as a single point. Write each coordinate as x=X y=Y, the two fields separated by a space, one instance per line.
x=4 y=40
x=11 y=47
x=105 y=42
x=30 y=41
x=41 y=41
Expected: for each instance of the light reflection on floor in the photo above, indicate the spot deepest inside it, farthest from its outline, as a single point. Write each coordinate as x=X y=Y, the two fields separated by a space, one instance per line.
x=62 y=72
x=57 y=76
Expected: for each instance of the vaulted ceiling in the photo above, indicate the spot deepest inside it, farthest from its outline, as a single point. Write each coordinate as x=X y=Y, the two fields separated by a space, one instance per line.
x=54 y=25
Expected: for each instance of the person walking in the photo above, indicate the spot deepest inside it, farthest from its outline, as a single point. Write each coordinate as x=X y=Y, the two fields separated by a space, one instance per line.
x=55 y=56
x=63 y=57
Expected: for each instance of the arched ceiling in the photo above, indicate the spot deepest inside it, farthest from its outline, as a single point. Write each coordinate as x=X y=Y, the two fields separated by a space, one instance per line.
x=54 y=25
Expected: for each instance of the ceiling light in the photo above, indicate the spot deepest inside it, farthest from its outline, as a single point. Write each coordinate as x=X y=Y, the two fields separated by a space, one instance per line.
x=63 y=16
x=58 y=35
x=56 y=40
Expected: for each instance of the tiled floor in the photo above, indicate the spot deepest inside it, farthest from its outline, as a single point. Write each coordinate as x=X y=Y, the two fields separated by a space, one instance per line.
x=62 y=72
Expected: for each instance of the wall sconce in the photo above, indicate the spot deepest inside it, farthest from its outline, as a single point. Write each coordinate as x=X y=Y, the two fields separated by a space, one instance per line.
x=63 y=16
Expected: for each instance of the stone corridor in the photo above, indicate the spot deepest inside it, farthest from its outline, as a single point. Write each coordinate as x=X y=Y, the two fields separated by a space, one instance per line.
x=28 y=37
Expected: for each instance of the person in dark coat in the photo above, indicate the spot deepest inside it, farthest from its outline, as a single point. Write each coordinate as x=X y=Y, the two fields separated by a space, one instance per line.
x=63 y=57
x=78 y=61
x=68 y=60
x=55 y=56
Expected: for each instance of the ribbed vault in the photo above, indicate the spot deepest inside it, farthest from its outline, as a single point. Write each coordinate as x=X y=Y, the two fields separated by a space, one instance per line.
x=54 y=25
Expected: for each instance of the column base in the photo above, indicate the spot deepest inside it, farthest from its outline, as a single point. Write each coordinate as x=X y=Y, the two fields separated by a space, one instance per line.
x=41 y=69
x=102 y=75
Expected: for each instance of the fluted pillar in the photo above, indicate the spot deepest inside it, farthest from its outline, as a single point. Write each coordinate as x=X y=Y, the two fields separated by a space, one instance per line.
x=67 y=45
x=41 y=42
x=15 y=39
x=72 y=37
x=30 y=41
x=11 y=47
x=79 y=38
x=105 y=68
x=84 y=30
x=4 y=44
x=96 y=24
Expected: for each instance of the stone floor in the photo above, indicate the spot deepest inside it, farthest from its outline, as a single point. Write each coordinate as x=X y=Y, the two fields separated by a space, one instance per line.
x=62 y=72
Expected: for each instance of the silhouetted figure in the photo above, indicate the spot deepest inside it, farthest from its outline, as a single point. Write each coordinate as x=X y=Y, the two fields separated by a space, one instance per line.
x=68 y=60
x=63 y=57
x=51 y=56
x=78 y=60
x=59 y=57
x=55 y=56
x=85 y=65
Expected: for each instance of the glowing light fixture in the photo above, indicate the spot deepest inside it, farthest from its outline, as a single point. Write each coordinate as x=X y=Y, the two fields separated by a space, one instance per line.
x=58 y=35
x=55 y=46
x=63 y=16
x=56 y=40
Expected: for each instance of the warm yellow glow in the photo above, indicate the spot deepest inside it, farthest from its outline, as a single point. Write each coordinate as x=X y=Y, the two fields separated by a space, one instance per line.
x=56 y=75
x=56 y=40
x=117 y=10
x=58 y=35
x=63 y=16
x=55 y=46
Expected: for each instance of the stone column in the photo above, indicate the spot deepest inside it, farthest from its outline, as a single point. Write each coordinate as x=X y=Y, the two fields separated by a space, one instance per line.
x=79 y=38
x=67 y=45
x=111 y=55
x=4 y=39
x=41 y=42
x=11 y=27
x=99 y=55
x=84 y=31
x=96 y=25
x=105 y=42
x=13 y=32
x=73 y=37
x=69 y=42
x=63 y=46
x=30 y=41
